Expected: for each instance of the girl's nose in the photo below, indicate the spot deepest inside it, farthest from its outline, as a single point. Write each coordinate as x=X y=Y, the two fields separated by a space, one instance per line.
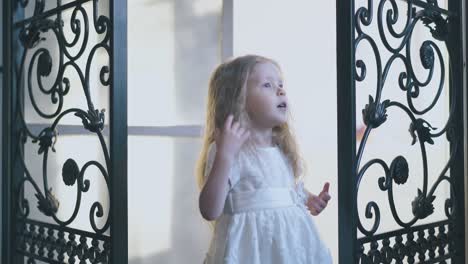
x=281 y=91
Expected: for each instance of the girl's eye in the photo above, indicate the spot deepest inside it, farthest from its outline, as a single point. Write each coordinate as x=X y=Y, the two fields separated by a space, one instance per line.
x=281 y=85
x=268 y=85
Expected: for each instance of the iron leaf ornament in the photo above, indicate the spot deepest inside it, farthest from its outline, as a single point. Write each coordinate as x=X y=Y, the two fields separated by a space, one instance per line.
x=47 y=138
x=438 y=26
x=422 y=205
x=423 y=128
x=374 y=113
x=94 y=121
x=47 y=205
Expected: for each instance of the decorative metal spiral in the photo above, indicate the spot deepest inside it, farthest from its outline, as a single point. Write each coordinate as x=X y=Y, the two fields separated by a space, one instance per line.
x=41 y=38
x=375 y=112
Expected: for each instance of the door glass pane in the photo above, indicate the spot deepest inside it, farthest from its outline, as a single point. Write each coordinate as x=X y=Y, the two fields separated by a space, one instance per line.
x=164 y=225
x=172 y=48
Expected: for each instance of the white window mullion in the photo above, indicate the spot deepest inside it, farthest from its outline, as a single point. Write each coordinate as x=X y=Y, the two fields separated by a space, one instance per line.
x=227 y=38
x=163 y=131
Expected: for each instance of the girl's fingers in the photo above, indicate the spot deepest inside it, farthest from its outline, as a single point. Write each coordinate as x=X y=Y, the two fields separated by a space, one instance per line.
x=235 y=126
x=319 y=203
x=245 y=135
x=312 y=209
x=324 y=194
x=322 y=204
x=242 y=131
x=228 y=122
x=312 y=197
x=317 y=208
x=326 y=187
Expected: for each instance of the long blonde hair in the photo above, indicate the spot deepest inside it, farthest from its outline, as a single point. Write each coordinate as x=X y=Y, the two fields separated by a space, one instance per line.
x=227 y=95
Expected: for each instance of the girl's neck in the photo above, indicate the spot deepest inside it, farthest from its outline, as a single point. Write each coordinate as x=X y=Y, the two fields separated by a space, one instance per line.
x=262 y=137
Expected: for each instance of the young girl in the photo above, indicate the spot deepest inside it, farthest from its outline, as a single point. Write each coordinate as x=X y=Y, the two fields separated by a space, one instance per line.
x=250 y=173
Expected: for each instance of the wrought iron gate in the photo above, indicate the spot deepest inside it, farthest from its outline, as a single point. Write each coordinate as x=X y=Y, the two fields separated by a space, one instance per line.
x=413 y=242
x=51 y=56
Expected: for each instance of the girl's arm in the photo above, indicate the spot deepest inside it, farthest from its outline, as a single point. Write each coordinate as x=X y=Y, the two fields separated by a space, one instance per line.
x=214 y=192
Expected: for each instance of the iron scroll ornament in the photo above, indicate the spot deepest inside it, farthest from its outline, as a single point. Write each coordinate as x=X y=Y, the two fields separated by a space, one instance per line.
x=33 y=236
x=375 y=114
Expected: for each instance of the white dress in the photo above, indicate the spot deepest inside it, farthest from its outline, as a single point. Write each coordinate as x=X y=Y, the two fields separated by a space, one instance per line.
x=265 y=218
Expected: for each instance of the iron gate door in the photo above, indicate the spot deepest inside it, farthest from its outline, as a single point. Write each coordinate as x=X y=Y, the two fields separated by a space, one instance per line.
x=64 y=84
x=386 y=30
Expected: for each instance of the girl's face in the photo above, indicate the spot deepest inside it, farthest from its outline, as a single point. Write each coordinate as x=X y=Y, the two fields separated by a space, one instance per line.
x=266 y=100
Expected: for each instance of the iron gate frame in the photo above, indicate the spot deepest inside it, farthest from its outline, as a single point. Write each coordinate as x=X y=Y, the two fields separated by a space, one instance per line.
x=346 y=93
x=118 y=211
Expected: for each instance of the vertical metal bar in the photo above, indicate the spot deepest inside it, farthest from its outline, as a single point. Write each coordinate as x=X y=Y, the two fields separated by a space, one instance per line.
x=7 y=231
x=455 y=45
x=118 y=133
x=346 y=131
x=465 y=113
x=2 y=33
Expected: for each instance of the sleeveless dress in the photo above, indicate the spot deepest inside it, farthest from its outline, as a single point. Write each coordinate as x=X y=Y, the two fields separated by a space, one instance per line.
x=265 y=217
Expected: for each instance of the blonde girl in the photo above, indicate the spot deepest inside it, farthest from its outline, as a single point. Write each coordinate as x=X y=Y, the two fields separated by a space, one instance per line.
x=250 y=171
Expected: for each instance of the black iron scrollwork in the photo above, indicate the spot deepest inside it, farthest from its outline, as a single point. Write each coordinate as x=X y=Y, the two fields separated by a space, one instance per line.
x=375 y=114
x=36 y=36
x=53 y=244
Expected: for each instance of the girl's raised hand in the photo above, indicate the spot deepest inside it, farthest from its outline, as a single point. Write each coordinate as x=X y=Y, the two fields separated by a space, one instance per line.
x=230 y=140
x=316 y=203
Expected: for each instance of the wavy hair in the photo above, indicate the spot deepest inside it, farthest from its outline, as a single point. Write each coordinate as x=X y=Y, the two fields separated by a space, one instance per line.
x=227 y=95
